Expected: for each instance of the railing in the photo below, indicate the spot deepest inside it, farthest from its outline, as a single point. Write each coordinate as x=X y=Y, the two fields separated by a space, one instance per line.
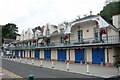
x=86 y=41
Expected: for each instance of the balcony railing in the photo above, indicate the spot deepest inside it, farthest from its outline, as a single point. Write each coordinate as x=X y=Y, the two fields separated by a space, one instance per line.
x=86 y=41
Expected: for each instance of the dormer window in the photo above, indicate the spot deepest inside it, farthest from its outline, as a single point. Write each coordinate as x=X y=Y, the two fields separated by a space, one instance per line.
x=37 y=35
x=23 y=36
x=48 y=32
x=62 y=30
x=29 y=35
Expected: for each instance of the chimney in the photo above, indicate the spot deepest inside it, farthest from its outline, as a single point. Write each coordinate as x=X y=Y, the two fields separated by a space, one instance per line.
x=90 y=12
x=116 y=20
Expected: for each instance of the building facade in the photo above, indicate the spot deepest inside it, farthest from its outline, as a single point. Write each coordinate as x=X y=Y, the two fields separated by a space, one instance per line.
x=89 y=39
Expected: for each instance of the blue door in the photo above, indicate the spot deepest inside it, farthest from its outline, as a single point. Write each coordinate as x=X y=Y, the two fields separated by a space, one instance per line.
x=119 y=35
x=36 y=54
x=98 y=56
x=16 y=53
x=61 y=55
x=79 y=55
x=21 y=54
x=30 y=54
x=24 y=53
x=47 y=54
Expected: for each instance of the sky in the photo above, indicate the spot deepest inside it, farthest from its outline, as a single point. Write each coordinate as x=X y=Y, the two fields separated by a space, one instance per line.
x=32 y=13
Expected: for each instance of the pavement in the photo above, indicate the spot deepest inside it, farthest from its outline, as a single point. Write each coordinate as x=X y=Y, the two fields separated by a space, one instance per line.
x=94 y=70
x=6 y=74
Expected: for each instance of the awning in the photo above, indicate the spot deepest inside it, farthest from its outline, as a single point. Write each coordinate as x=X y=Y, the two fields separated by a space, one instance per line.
x=40 y=40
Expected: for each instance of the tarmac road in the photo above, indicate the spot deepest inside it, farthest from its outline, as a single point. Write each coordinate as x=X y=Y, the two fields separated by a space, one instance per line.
x=24 y=70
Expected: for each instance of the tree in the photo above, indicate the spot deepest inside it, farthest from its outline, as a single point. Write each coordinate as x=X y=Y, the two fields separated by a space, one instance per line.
x=65 y=22
x=109 y=10
x=9 y=31
x=38 y=28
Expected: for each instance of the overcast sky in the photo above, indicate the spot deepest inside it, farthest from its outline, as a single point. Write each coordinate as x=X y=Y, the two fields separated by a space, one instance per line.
x=32 y=13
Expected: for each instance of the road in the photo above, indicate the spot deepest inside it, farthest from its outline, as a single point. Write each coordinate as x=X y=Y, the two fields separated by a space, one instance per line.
x=24 y=70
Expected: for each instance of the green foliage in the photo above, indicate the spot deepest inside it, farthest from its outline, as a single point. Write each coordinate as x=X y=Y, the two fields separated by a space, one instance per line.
x=38 y=28
x=109 y=10
x=9 y=31
x=65 y=22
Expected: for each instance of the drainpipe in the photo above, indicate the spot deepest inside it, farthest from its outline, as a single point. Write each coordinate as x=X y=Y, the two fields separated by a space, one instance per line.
x=27 y=49
x=69 y=48
x=107 y=47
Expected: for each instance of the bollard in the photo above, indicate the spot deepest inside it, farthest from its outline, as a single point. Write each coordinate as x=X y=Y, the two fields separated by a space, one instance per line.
x=41 y=63
x=31 y=77
x=67 y=66
x=87 y=68
x=85 y=63
x=65 y=61
x=16 y=58
x=118 y=70
x=20 y=59
x=26 y=60
x=9 y=57
x=52 y=64
x=12 y=57
x=81 y=63
x=32 y=61
x=108 y=64
x=101 y=64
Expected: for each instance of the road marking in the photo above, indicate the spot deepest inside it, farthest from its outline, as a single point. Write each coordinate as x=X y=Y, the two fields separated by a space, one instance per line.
x=11 y=73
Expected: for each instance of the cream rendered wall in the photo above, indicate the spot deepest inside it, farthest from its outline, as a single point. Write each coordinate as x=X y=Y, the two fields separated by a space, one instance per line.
x=111 y=52
x=25 y=38
x=72 y=54
x=22 y=35
x=32 y=53
x=118 y=53
x=86 y=26
x=112 y=32
x=29 y=33
x=28 y=53
x=13 y=52
x=105 y=55
x=116 y=21
x=115 y=54
x=19 y=53
x=25 y=53
x=53 y=53
x=42 y=54
x=18 y=37
x=37 y=32
x=89 y=54
x=52 y=39
x=52 y=29
x=55 y=39
x=67 y=54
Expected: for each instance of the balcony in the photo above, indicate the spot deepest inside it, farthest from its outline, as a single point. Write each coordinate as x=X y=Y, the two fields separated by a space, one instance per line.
x=115 y=39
